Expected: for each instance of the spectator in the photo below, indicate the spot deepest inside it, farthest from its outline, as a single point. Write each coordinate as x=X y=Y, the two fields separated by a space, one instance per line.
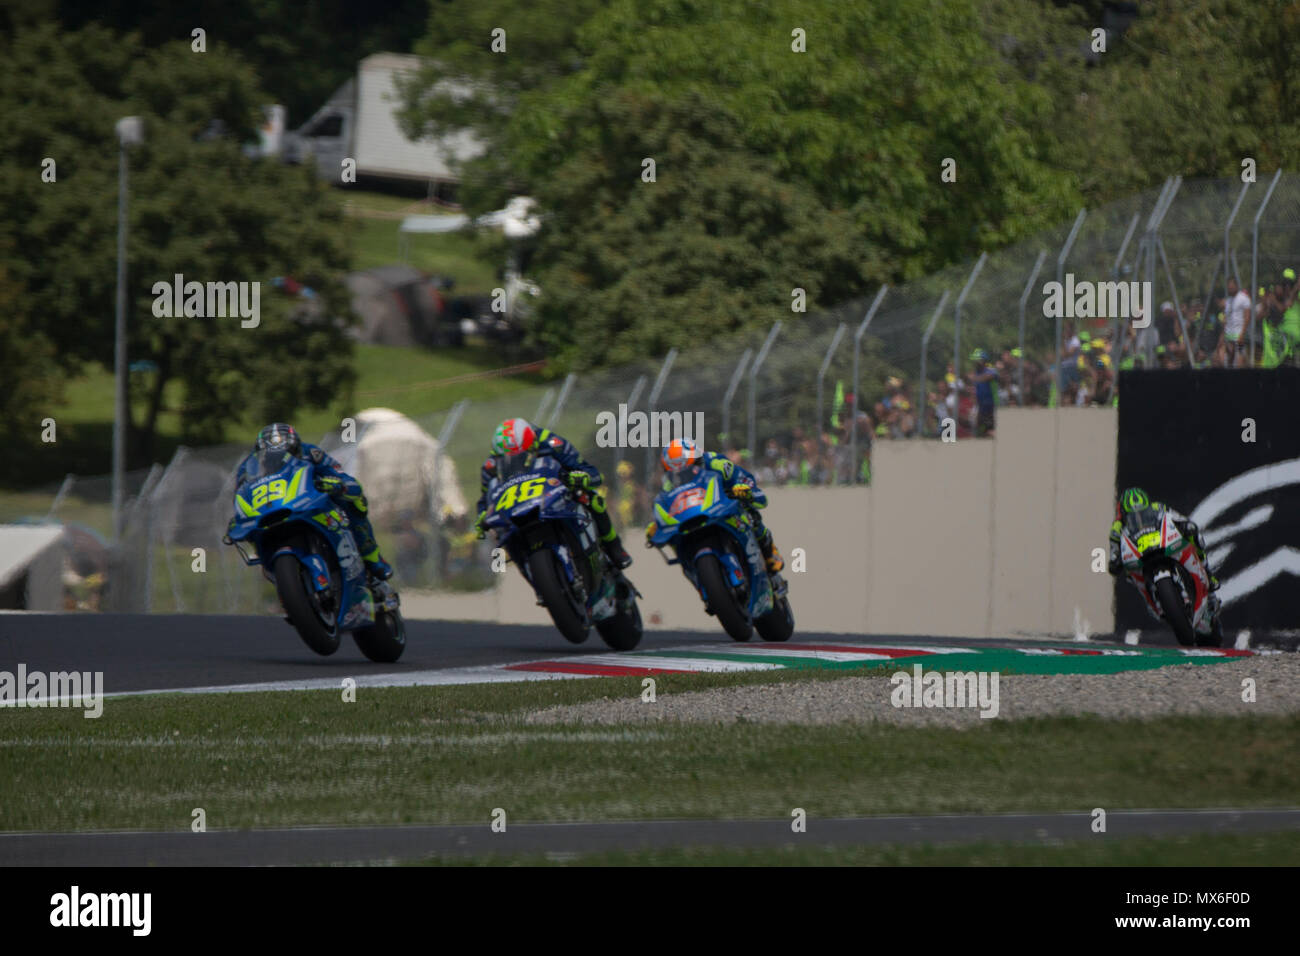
x=1210 y=333
x=1291 y=312
x=1236 y=321
x=1169 y=330
x=985 y=380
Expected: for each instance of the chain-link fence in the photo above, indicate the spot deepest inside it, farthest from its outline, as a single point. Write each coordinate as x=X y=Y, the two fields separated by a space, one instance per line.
x=802 y=402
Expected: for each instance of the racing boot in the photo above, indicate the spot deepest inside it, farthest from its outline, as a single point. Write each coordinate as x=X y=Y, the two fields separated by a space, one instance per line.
x=616 y=553
x=771 y=555
x=608 y=536
x=378 y=571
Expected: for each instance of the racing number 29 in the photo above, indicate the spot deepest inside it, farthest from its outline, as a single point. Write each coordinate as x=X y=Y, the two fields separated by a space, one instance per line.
x=517 y=494
x=271 y=491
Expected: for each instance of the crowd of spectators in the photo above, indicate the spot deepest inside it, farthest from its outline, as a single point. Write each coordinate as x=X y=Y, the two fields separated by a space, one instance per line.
x=963 y=402
x=1230 y=333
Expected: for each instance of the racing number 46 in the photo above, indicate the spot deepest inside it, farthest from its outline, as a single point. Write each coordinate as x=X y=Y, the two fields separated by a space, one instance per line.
x=517 y=494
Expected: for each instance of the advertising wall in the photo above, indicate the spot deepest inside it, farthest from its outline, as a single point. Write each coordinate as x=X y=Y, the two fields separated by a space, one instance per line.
x=977 y=538
x=1223 y=447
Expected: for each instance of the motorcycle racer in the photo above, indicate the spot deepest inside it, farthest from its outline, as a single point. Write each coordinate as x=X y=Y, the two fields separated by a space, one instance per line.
x=1135 y=500
x=683 y=453
x=276 y=443
x=515 y=436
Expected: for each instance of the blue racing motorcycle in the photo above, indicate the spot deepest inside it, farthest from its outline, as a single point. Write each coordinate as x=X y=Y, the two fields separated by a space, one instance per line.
x=714 y=543
x=302 y=540
x=548 y=533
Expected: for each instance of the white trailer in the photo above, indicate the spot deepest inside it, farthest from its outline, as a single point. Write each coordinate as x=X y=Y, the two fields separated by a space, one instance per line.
x=358 y=122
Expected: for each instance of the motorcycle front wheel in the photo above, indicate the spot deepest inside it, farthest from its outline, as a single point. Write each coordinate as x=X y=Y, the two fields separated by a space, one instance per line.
x=568 y=613
x=722 y=599
x=1171 y=602
x=317 y=627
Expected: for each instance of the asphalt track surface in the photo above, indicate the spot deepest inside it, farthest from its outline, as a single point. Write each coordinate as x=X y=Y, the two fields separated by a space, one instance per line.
x=170 y=652
x=140 y=652
x=319 y=845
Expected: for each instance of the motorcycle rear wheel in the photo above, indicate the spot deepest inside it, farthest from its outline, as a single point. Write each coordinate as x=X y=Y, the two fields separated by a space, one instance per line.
x=778 y=623
x=622 y=632
x=384 y=641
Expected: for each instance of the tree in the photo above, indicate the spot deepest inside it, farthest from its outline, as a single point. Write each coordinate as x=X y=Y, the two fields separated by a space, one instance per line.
x=27 y=367
x=200 y=208
x=302 y=52
x=817 y=169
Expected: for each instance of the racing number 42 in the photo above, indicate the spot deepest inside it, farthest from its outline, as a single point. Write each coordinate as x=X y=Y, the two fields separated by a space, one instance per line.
x=516 y=494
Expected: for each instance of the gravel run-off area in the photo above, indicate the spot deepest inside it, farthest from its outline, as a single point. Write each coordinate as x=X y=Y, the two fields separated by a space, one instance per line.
x=1182 y=689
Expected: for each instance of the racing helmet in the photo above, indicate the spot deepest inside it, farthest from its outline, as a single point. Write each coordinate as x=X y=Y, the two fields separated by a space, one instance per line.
x=1133 y=499
x=275 y=443
x=514 y=436
x=680 y=453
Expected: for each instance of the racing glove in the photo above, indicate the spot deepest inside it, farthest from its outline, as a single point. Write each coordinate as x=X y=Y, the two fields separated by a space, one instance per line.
x=328 y=484
x=480 y=525
x=650 y=533
x=578 y=480
x=742 y=492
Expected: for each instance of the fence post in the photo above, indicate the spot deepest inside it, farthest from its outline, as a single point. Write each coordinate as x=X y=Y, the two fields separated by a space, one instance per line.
x=1227 y=254
x=1117 y=343
x=1173 y=290
x=632 y=399
x=68 y=481
x=753 y=388
x=1024 y=302
x=435 y=493
x=925 y=344
x=1152 y=249
x=821 y=378
x=544 y=404
x=1060 y=278
x=651 y=405
x=731 y=393
x=564 y=397
x=961 y=298
x=857 y=381
x=1138 y=261
x=1254 y=255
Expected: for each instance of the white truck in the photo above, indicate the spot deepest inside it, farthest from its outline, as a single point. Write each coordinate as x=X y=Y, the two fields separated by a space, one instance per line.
x=358 y=123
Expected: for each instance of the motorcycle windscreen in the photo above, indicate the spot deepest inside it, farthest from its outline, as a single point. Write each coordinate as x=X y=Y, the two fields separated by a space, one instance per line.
x=1142 y=520
x=675 y=479
x=511 y=466
x=269 y=462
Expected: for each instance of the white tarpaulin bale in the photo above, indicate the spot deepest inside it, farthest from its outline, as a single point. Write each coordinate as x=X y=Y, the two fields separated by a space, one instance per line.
x=395 y=460
x=33 y=550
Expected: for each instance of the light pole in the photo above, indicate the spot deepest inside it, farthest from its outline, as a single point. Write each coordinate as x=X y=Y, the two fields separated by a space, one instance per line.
x=130 y=132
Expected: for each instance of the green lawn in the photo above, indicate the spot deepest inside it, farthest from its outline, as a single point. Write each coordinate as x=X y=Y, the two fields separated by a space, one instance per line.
x=373 y=223
x=452 y=754
x=454 y=254
x=1260 y=849
x=362 y=202
x=410 y=380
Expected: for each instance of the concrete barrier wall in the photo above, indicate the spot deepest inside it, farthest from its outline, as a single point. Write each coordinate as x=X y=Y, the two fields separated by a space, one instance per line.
x=973 y=538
